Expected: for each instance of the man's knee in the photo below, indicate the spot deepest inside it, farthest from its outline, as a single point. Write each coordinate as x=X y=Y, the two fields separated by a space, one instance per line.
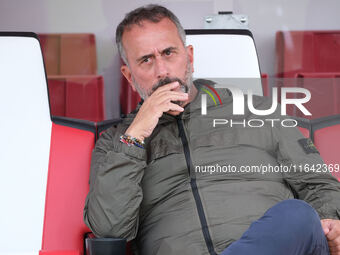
x=298 y=215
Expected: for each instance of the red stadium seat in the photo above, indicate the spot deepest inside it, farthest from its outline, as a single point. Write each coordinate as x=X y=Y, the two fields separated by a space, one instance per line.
x=69 y=54
x=326 y=134
x=50 y=45
x=79 y=97
x=307 y=51
x=325 y=93
x=72 y=142
x=57 y=94
x=67 y=187
x=85 y=98
x=265 y=85
x=128 y=98
x=71 y=64
x=308 y=55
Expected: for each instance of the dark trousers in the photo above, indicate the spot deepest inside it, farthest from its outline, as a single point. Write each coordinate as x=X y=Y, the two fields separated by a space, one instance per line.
x=291 y=227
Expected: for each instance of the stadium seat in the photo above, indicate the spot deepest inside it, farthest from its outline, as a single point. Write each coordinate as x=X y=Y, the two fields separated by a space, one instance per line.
x=69 y=54
x=265 y=85
x=79 y=97
x=57 y=96
x=307 y=52
x=326 y=136
x=72 y=142
x=325 y=93
x=310 y=59
x=128 y=98
x=74 y=88
x=25 y=137
x=45 y=161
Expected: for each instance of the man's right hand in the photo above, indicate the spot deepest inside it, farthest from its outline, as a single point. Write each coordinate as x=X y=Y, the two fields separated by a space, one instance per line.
x=153 y=108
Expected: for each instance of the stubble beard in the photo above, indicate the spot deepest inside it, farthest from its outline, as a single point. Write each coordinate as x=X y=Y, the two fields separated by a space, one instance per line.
x=185 y=85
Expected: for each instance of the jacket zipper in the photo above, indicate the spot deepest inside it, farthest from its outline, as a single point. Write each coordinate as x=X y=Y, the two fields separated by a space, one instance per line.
x=194 y=189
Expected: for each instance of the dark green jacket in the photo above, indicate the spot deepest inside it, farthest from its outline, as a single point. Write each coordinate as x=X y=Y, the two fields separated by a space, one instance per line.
x=158 y=196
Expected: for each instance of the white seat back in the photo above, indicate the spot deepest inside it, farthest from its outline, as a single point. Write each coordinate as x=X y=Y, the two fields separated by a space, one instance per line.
x=226 y=57
x=25 y=133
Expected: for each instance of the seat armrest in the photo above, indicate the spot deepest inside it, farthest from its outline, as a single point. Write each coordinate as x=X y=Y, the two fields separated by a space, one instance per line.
x=105 y=246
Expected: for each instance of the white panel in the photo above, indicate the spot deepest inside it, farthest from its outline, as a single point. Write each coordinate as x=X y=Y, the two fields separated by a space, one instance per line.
x=226 y=58
x=25 y=133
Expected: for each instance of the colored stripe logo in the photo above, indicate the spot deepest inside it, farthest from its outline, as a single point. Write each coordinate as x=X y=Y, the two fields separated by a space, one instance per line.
x=211 y=95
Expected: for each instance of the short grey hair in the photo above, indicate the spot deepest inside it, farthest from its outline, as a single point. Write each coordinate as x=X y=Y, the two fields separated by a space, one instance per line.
x=152 y=12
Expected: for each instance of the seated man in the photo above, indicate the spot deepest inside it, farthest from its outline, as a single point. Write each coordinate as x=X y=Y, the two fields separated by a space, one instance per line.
x=144 y=183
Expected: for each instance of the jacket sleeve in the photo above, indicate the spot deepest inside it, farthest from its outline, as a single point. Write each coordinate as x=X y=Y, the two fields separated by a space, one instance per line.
x=307 y=175
x=112 y=204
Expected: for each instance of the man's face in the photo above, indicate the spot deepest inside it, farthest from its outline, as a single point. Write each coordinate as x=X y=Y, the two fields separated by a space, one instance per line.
x=156 y=56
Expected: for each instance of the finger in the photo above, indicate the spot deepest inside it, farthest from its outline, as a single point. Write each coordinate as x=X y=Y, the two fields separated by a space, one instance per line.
x=171 y=92
x=325 y=226
x=167 y=87
x=172 y=96
x=325 y=230
x=172 y=107
x=334 y=249
x=335 y=242
x=334 y=231
x=155 y=100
